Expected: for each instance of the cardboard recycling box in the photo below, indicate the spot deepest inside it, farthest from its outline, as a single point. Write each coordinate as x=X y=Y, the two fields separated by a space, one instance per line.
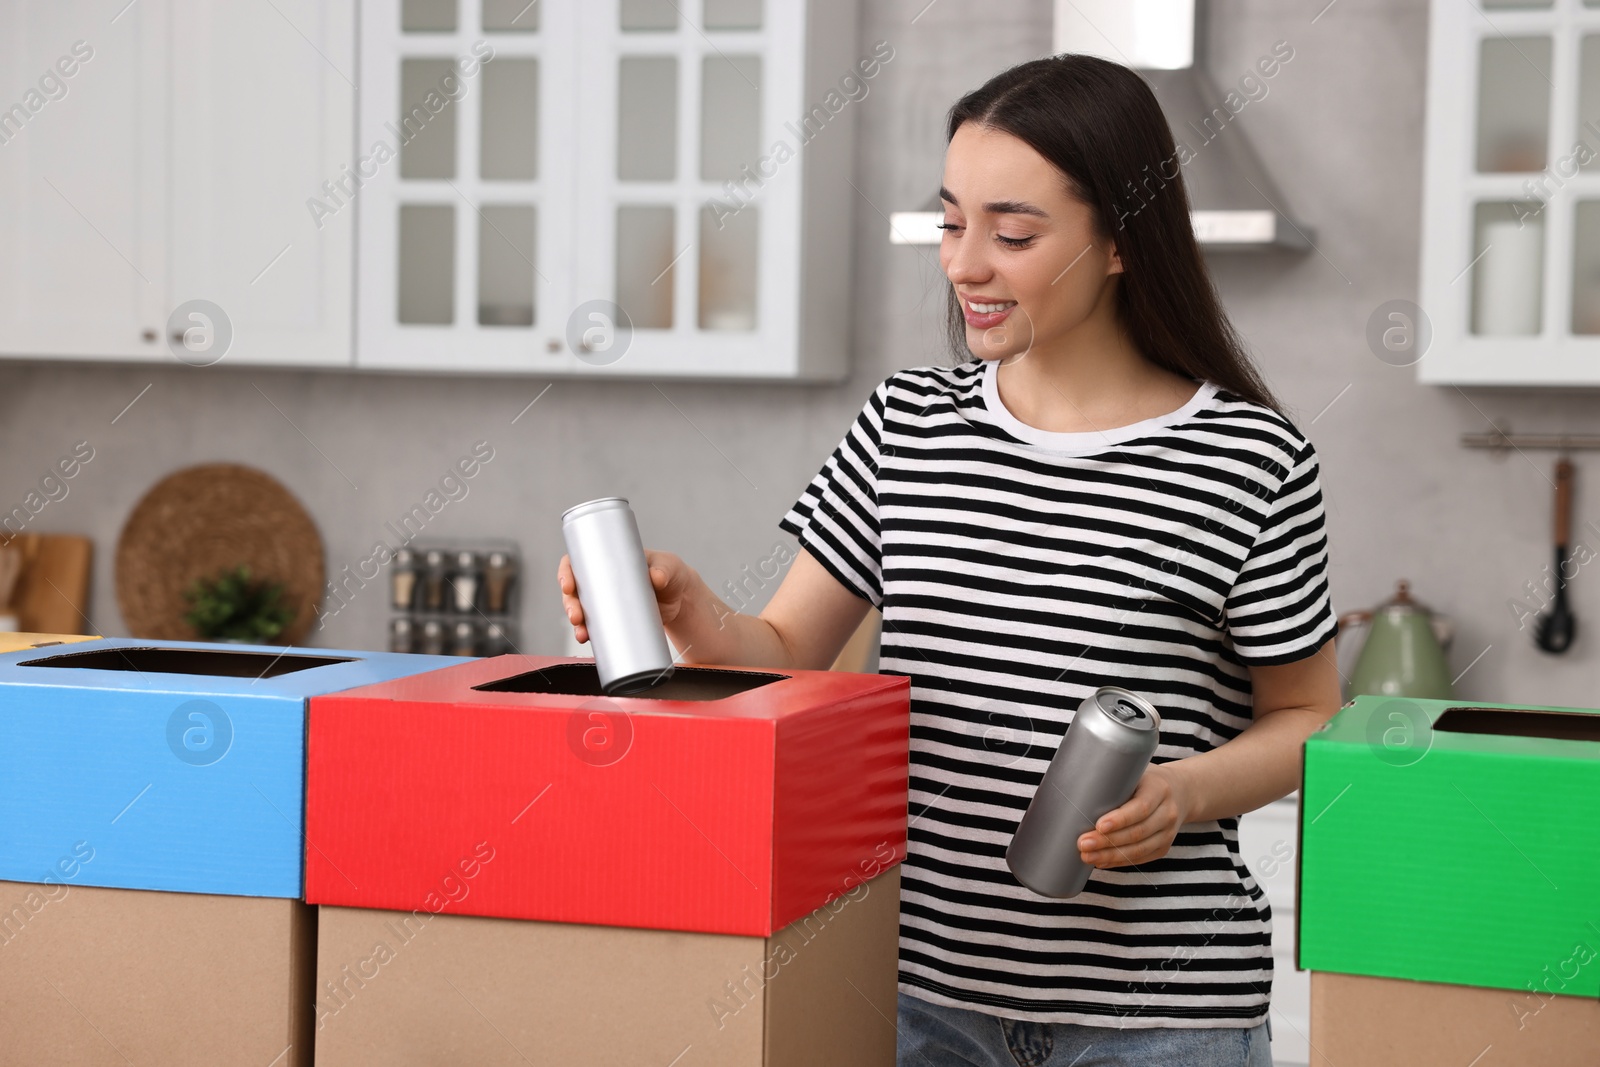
x=403 y=988
x=11 y=641
x=181 y=764
x=514 y=868
x=1451 y=841
x=92 y=976
x=1394 y=1022
x=724 y=801
x=151 y=814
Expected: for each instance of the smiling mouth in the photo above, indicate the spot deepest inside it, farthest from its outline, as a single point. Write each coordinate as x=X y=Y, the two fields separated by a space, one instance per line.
x=989 y=308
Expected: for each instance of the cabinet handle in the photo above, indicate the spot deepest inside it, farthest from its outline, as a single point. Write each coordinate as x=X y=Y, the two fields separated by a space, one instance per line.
x=149 y=336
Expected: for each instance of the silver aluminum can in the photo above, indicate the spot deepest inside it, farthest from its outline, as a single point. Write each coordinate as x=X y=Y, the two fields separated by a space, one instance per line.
x=1095 y=770
x=619 y=603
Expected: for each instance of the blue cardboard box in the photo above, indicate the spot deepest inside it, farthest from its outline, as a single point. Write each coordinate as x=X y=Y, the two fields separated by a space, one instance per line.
x=174 y=765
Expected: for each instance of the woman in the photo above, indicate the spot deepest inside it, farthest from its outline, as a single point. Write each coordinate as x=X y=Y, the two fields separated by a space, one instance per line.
x=1104 y=492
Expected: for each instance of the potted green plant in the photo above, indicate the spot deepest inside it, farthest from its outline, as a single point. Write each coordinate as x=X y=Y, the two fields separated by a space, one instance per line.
x=233 y=607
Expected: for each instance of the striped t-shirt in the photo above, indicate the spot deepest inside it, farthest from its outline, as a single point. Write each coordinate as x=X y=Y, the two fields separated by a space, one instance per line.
x=1018 y=570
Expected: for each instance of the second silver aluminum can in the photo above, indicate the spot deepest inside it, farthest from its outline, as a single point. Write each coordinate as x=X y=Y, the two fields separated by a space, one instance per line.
x=1095 y=770
x=619 y=603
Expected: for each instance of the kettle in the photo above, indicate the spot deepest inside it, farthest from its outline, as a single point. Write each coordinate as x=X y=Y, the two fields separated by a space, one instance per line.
x=1404 y=650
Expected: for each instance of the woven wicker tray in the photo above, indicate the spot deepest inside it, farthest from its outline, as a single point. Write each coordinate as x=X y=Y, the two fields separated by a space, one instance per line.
x=202 y=520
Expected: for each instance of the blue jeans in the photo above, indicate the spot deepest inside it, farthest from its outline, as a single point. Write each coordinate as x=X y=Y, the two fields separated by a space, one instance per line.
x=931 y=1035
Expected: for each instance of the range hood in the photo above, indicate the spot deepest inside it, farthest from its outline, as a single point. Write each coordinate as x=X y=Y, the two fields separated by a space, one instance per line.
x=1235 y=205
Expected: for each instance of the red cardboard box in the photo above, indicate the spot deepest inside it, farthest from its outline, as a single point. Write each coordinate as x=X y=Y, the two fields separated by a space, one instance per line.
x=723 y=801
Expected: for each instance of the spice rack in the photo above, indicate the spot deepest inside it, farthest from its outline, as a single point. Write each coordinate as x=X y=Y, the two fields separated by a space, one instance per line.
x=457 y=598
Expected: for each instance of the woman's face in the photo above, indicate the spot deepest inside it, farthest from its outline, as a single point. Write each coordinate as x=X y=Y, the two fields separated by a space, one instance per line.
x=1020 y=252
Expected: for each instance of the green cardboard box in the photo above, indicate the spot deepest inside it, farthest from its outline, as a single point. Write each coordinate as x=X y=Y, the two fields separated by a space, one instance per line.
x=1453 y=841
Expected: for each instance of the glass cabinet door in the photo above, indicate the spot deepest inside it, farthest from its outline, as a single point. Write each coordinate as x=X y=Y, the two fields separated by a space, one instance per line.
x=1514 y=88
x=1515 y=91
x=689 y=173
x=464 y=226
x=1511 y=234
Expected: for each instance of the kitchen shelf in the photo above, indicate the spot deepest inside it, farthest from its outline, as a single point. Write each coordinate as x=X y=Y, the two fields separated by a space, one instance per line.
x=1506 y=441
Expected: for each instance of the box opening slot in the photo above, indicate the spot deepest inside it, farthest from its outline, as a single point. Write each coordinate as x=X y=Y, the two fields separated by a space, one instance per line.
x=217 y=663
x=583 y=679
x=1521 y=722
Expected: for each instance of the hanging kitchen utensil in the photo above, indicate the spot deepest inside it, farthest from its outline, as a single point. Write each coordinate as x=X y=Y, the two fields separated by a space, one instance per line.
x=1404 y=650
x=1554 y=630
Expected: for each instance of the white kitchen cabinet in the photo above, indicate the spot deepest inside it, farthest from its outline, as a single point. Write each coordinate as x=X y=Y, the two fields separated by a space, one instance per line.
x=469 y=176
x=1268 y=844
x=262 y=110
x=82 y=179
x=177 y=166
x=1511 y=194
x=576 y=158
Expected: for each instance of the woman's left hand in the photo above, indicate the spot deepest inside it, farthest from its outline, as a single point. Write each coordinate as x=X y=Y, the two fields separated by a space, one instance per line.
x=1142 y=829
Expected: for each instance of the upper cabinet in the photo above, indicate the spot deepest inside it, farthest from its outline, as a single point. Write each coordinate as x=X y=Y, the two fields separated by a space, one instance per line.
x=1511 y=224
x=157 y=160
x=615 y=187
x=262 y=109
x=646 y=188
x=468 y=174
x=82 y=269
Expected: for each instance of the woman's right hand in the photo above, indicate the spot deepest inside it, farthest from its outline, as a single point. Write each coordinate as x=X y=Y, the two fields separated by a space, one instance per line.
x=670 y=576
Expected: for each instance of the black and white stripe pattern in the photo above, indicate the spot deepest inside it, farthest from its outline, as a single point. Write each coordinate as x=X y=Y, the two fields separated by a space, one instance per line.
x=1018 y=570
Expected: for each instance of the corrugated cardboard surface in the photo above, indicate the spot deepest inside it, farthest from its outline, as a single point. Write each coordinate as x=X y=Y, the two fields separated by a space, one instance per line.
x=401 y=989
x=92 y=976
x=1358 y=1021
x=14 y=642
x=98 y=754
x=1452 y=856
x=833 y=999
x=734 y=815
x=829 y=807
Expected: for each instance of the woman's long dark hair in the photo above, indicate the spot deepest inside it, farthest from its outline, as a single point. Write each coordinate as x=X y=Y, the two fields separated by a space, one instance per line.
x=1100 y=125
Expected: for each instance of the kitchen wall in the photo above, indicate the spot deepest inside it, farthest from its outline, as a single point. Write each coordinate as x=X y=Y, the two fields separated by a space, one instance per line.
x=711 y=468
